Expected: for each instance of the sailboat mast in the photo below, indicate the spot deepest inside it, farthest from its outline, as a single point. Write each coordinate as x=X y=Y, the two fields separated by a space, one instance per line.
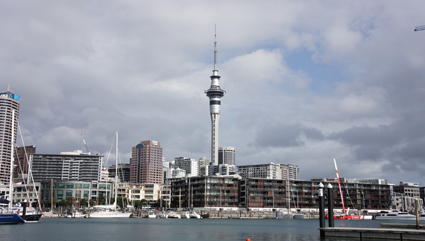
x=12 y=160
x=116 y=171
x=339 y=185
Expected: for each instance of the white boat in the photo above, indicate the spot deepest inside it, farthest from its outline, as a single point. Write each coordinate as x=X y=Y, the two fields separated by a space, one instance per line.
x=110 y=211
x=78 y=215
x=282 y=214
x=151 y=214
x=185 y=215
x=193 y=214
x=395 y=214
x=173 y=215
x=163 y=215
x=298 y=216
x=107 y=213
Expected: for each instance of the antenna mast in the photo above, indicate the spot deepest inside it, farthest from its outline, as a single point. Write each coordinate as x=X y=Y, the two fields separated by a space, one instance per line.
x=215 y=47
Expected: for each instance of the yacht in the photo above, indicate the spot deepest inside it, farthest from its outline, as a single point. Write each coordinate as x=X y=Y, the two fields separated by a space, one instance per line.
x=110 y=211
x=185 y=215
x=151 y=214
x=395 y=214
x=163 y=215
x=283 y=214
x=193 y=214
x=173 y=215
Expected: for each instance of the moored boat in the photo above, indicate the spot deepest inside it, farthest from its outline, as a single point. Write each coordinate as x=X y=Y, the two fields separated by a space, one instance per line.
x=185 y=215
x=395 y=214
x=163 y=215
x=151 y=214
x=173 y=215
x=193 y=214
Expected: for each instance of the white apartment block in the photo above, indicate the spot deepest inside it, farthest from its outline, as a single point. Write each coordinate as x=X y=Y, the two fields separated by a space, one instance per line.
x=290 y=171
x=139 y=191
x=222 y=170
x=267 y=171
x=226 y=155
x=188 y=164
x=177 y=173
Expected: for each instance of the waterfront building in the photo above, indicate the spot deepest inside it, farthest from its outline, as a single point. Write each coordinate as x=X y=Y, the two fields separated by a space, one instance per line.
x=405 y=195
x=165 y=195
x=205 y=192
x=188 y=164
x=21 y=192
x=9 y=105
x=226 y=155
x=140 y=191
x=21 y=160
x=267 y=171
x=123 y=172
x=301 y=194
x=72 y=166
x=146 y=163
x=215 y=93
x=77 y=190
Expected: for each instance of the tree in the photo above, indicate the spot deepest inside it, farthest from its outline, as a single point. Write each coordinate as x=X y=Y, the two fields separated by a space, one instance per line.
x=122 y=202
x=63 y=203
x=92 y=202
x=101 y=200
x=83 y=202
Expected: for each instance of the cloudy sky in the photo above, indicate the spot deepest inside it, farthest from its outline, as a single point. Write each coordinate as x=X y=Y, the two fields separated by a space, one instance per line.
x=305 y=81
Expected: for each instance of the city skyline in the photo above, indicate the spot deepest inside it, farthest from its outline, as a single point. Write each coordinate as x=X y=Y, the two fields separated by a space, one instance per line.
x=303 y=86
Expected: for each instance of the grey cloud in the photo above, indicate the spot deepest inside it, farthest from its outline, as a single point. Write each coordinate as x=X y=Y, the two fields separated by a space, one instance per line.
x=283 y=135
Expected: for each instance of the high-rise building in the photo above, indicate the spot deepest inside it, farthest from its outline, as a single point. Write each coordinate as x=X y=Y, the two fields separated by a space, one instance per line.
x=290 y=171
x=188 y=164
x=215 y=93
x=226 y=155
x=146 y=163
x=123 y=172
x=21 y=160
x=9 y=106
x=72 y=166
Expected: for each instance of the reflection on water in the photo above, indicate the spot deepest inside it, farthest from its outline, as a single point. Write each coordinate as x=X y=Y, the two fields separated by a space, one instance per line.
x=171 y=229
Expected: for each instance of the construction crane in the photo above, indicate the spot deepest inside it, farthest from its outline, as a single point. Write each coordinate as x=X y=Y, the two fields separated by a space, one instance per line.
x=85 y=145
x=420 y=28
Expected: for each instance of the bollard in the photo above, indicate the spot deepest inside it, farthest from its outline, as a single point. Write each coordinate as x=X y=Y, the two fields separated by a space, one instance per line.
x=330 y=206
x=321 y=210
x=24 y=211
x=417 y=213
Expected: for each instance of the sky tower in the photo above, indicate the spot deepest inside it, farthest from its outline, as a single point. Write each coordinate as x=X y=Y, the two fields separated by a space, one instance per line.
x=215 y=93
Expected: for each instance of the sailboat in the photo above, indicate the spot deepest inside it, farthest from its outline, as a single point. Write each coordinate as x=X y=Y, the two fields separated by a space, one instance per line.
x=346 y=215
x=110 y=211
x=6 y=215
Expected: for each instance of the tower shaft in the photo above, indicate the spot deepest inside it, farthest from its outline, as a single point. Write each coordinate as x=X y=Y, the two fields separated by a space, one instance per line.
x=215 y=93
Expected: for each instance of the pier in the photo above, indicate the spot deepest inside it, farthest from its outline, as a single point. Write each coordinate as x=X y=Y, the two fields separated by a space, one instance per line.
x=374 y=233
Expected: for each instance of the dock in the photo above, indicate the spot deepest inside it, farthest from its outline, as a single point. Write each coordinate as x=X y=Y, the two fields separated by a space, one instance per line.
x=374 y=233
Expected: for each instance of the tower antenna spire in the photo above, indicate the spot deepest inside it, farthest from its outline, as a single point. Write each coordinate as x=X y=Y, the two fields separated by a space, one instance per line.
x=215 y=47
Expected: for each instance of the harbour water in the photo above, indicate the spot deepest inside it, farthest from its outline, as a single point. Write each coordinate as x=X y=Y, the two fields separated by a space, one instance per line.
x=65 y=229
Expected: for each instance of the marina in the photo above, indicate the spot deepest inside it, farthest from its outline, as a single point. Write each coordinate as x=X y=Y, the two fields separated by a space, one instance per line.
x=177 y=229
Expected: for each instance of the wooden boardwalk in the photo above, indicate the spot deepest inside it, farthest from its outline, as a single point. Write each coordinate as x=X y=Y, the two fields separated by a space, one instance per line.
x=375 y=233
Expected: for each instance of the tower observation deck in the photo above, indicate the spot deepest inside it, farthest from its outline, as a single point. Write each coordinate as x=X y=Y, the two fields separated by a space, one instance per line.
x=214 y=93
